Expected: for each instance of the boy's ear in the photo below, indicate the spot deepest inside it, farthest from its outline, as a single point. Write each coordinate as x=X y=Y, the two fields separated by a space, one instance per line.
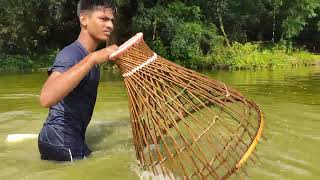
x=83 y=19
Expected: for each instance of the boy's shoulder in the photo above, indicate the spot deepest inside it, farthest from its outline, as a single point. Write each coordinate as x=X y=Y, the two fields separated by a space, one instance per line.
x=68 y=57
x=74 y=51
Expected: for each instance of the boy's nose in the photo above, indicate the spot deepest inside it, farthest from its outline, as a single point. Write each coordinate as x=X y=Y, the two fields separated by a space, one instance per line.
x=109 y=25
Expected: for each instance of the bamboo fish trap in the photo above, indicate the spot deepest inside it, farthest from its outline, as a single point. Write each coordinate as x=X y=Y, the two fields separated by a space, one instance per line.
x=185 y=125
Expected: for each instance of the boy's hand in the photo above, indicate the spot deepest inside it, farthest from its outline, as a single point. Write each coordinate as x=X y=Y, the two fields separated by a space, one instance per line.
x=102 y=55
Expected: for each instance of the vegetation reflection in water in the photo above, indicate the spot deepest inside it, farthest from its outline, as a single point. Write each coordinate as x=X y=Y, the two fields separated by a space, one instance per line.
x=289 y=98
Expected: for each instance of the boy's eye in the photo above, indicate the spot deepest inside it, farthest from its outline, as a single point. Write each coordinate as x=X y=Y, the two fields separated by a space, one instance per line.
x=106 y=19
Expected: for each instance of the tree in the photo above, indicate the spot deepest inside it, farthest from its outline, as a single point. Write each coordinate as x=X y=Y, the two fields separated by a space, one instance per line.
x=297 y=13
x=176 y=30
x=29 y=27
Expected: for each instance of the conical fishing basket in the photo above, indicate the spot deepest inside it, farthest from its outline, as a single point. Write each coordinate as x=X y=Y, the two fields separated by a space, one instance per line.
x=184 y=124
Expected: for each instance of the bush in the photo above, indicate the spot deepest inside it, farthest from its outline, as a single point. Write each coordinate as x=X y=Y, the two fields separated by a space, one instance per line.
x=252 y=56
x=10 y=63
x=192 y=43
x=14 y=62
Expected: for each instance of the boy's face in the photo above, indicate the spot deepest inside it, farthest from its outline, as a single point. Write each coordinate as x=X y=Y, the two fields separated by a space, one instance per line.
x=99 y=23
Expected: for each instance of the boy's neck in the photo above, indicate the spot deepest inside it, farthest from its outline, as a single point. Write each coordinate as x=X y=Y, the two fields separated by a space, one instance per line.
x=87 y=41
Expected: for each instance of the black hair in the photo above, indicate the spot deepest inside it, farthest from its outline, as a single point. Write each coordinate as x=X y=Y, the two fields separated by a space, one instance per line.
x=85 y=5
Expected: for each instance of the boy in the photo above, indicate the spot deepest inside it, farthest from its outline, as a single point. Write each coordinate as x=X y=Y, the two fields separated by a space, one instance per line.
x=71 y=88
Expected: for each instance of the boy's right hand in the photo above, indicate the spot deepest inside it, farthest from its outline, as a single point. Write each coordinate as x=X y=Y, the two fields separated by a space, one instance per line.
x=102 y=55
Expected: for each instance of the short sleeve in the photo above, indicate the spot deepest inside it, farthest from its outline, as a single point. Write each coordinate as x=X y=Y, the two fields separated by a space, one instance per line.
x=62 y=63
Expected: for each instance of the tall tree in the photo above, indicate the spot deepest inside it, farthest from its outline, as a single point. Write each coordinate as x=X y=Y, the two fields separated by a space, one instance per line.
x=297 y=13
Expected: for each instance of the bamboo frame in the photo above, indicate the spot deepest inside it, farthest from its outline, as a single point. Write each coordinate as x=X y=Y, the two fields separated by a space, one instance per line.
x=184 y=124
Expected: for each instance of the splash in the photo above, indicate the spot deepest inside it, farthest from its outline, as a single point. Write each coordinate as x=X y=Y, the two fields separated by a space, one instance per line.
x=13 y=138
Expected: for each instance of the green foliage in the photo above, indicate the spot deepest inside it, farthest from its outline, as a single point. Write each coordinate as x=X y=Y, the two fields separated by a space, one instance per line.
x=191 y=33
x=28 y=27
x=158 y=47
x=252 y=56
x=297 y=14
x=44 y=60
x=164 y=19
x=193 y=41
x=14 y=62
x=179 y=33
x=9 y=63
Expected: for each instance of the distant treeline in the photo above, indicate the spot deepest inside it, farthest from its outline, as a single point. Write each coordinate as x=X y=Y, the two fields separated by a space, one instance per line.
x=188 y=31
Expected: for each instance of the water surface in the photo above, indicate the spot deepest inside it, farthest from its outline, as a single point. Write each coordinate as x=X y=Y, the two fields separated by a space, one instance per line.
x=289 y=99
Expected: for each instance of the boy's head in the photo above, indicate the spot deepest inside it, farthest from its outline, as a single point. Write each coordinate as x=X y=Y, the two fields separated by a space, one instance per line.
x=88 y=6
x=96 y=18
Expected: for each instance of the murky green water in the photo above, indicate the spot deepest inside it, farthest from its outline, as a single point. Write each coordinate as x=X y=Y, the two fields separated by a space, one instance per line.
x=290 y=100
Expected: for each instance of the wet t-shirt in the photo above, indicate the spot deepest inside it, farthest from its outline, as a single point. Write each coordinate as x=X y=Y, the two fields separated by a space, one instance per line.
x=68 y=119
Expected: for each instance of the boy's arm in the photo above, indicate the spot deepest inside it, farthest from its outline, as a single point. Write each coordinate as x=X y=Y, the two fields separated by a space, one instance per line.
x=59 y=85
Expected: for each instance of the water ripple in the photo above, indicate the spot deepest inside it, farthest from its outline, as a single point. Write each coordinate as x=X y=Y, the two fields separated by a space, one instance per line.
x=17 y=96
x=5 y=116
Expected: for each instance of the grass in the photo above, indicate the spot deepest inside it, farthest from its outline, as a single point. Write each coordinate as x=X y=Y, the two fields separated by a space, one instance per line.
x=255 y=56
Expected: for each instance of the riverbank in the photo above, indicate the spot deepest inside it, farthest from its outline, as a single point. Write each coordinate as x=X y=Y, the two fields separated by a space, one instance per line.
x=255 y=56
x=18 y=63
x=316 y=63
x=236 y=57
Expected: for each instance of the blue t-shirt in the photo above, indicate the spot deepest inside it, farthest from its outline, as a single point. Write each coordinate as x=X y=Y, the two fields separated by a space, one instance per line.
x=68 y=119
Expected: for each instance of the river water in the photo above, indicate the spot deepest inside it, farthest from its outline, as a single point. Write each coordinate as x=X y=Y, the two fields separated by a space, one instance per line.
x=289 y=98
